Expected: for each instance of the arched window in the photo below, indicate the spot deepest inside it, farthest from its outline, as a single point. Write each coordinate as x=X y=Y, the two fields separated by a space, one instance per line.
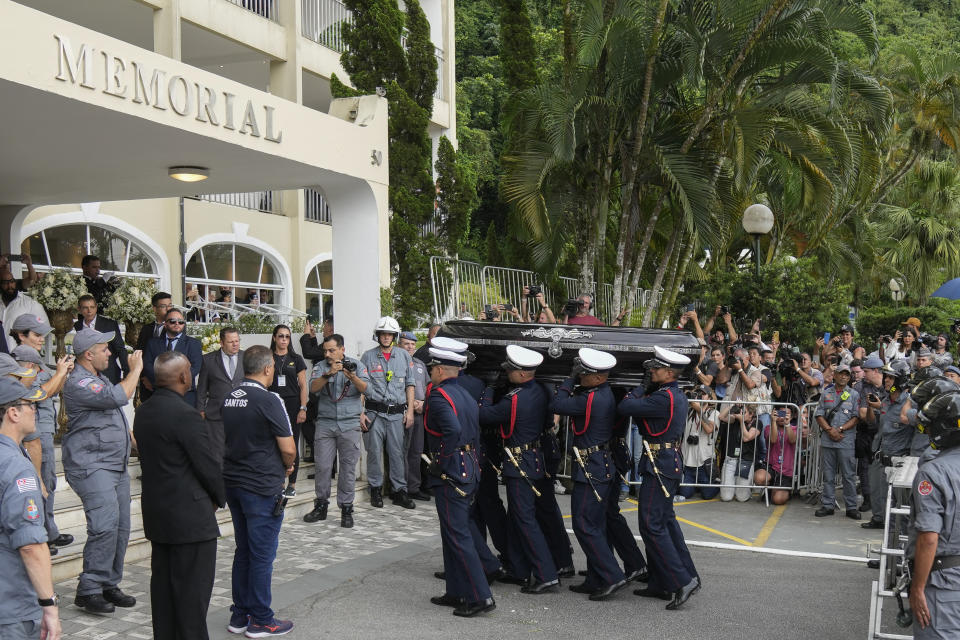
x=320 y=291
x=65 y=246
x=227 y=272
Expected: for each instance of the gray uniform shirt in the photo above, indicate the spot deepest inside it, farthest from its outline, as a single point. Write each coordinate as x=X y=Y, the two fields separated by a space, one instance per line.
x=934 y=500
x=46 y=416
x=98 y=436
x=420 y=378
x=893 y=437
x=847 y=404
x=339 y=400
x=21 y=523
x=389 y=379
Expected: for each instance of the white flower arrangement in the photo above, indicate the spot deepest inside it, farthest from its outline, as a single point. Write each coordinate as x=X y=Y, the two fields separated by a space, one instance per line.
x=130 y=302
x=58 y=290
x=210 y=339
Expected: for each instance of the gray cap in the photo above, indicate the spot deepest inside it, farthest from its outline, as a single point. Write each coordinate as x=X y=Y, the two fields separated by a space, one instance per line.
x=924 y=352
x=11 y=390
x=842 y=368
x=30 y=322
x=10 y=367
x=873 y=362
x=88 y=338
x=25 y=353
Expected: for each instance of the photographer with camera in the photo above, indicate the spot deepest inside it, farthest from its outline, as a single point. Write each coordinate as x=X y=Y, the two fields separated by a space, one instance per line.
x=904 y=343
x=500 y=313
x=717 y=336
x=841 y=346
x=782 y=436
x=338 y=381
x=531 y=293
x=578 y=312
x=796 y=366
x=699 y=440
x=942 y=358
x=742 y=433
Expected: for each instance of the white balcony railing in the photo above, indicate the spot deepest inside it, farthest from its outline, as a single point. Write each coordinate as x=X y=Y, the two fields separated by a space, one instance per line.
x=315 y=207
x=322 y=21
x=265 y=8
x=266 y=201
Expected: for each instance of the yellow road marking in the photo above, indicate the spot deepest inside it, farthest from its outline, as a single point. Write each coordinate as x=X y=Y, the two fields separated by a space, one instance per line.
x=686 y=502
x=769 y=526
x=715 y=532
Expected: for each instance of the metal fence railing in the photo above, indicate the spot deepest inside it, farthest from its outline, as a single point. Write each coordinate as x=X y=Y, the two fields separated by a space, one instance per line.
x=322 y=21
x=458 y=290
x=266 y=201
x=315 y=206
x=265 y=8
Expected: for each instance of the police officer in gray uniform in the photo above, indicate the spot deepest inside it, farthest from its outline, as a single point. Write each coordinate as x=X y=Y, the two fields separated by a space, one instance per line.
x=27 y=356
x=837 y=414
x=413 y=437
x=893 y=435
x=28 y=605
x=934 y=527
x=338 y=382
x=388 y=412
x=96 y=447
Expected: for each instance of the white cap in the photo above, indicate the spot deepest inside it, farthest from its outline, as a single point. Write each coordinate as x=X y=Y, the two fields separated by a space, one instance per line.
x=448 y=358
x=448 y=344
x=665 y=358
x=522 y=358
x=594 y=361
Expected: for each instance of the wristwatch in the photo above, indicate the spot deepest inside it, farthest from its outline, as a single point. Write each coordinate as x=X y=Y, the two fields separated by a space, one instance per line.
x=49 y=602
x=303 y=408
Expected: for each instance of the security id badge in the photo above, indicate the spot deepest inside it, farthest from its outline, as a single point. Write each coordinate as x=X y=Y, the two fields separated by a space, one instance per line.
x=281 y=381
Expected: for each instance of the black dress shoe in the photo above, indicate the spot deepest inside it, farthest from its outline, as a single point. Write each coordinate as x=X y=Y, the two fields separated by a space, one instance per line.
x=446 y=601
x=470 y=609
x=647 y=592
x=496 y=574
x=540 y=587
x=566 y=572
x=94 y=603
x=853 y=514
x=440 y=575
x=640 y=575
x=865 y=506
x=510 y=579
x=606 y=592
x=873 y=564
x=683 y=594
x=822 y=512
x=376 y=497
x=62 y=540
x=119 y=598
x=583 y=587
x=401 y=499
x=582 y=572
x=421 y=495
x=872 y=523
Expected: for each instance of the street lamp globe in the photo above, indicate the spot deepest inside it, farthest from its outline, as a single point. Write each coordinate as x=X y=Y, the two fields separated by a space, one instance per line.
x=758 y=220
x=894 y=285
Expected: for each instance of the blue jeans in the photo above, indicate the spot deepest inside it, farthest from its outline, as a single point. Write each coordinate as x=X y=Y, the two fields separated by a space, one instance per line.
x=257 y=532
x=701 y=475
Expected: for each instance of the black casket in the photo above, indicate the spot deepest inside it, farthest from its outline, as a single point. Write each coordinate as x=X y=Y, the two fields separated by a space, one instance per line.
x=559 y=344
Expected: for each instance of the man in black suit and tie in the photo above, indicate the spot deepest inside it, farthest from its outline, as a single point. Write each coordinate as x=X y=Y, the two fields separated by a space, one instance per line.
x=221 y=371
x=161 y=302
x=89 y=319
x=182 y=488
x=174 y=338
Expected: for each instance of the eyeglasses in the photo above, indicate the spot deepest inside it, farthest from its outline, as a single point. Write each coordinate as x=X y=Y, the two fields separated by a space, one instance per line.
x=283 y=336
x=174 y=321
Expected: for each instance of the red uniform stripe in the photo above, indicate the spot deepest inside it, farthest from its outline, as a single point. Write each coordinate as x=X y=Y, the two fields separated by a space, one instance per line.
x=586 y=418
x=513 y=418
x=669 y=420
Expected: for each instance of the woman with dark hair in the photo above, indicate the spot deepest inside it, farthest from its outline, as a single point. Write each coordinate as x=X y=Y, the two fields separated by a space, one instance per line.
x=290 y=383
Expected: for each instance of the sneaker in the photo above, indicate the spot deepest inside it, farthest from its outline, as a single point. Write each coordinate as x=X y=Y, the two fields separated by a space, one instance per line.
x=238 y=622
x=273 y=628
x=290 y=492
x=559 y=489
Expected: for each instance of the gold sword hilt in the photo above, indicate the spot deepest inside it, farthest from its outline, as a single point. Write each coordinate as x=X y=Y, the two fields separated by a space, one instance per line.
x=646 y=447
x=445 y=477
x=576 y=453
x=523 y=473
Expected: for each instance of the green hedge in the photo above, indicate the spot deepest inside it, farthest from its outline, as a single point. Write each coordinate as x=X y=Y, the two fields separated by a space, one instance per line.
x=936 y=316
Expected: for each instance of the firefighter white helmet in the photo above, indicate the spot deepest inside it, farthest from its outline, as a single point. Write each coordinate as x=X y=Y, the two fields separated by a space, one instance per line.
x=386 y=324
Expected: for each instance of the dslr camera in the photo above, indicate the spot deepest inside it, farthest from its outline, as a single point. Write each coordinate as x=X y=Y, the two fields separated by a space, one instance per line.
x=533 y=290
x=572 y=307
x=693 y=439
x=349 y=365
x=955 y=327
x=724 y=309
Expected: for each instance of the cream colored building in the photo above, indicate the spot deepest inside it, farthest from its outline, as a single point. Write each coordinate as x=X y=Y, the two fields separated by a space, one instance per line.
x=101 y=98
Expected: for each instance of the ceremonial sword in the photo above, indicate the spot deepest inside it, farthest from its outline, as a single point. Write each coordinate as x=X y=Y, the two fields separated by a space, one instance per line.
x=576 y=453
x=445 y=477
x=522 y=472
x=646 y=447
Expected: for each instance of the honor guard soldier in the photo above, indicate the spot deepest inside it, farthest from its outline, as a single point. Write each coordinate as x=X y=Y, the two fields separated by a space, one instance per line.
x=594 y=412
x=96 y=448
x=520 y=416
x=451 y=421
x=934 y=526
x=28 y=604
x=661 y=415
x=618 y=531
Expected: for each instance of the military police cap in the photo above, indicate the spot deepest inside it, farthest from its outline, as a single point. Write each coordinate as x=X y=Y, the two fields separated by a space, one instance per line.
x=11 y=390
x=449 y=344
x=31 y=322
x=90 y=337
x=446 y=358
x=521 y=358
x=408 y=335
x=924 y=352
x=594 y=361
x=26 y=353
x=10 y=367
x=665 y=358
x=873 y=362
x=952 y=369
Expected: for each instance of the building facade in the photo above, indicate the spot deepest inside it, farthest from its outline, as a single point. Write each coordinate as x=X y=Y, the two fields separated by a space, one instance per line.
x=103 y=98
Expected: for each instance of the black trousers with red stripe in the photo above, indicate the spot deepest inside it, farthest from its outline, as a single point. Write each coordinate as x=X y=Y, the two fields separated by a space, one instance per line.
x=461 y=563
x=670 y=564
x=590 y=527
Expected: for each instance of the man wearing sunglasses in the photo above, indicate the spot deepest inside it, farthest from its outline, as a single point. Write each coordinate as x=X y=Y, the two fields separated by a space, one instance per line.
x=174 y=338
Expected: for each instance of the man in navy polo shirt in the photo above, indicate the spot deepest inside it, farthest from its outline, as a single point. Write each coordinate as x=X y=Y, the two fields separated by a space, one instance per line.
x=259 y=455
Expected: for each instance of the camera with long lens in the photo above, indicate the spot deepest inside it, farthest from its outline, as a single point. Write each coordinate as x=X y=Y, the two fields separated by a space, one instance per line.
x=349 y=365
x=572 y=307
x=928 y=340
x=787 y=355
x=735 y=411
x=534 y=290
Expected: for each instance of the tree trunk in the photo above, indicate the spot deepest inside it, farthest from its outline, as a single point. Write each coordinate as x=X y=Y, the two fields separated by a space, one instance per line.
x=658 y=280
x=676 y=281
x=641 y=256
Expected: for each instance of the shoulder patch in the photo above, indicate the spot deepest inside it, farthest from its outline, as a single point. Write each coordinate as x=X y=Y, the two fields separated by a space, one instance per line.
x=31 y=512
x=27 y=484
x=924 y=488
x=85 y=381
x=96 y=386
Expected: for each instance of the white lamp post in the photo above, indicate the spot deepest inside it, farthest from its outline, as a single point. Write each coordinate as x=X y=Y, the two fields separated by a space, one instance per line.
x=757 y=221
